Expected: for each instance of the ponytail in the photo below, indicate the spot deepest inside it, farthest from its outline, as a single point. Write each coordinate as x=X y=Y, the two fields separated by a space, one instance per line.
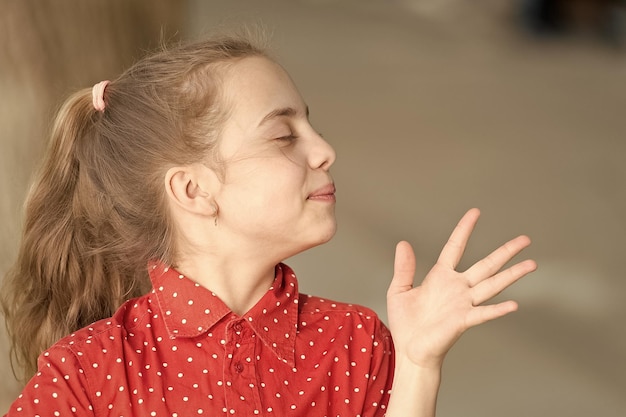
x=60 y=282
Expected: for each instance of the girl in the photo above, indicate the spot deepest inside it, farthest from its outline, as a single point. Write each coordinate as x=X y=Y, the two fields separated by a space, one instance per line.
x=196 y=172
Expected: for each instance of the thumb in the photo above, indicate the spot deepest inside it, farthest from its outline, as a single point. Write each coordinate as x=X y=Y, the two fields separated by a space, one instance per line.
x=403 y=269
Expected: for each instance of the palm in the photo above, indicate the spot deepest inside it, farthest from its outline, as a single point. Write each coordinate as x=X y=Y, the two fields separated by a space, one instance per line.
x=427 y=320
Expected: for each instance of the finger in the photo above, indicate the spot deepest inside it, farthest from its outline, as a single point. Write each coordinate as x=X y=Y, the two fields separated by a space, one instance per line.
x=492 y=263
x=483 y=314
x=493 y=286
x=403 y=269
x=453 y=250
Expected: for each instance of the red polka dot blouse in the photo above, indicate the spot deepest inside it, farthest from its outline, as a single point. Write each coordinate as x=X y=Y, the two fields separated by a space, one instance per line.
x=179 y=351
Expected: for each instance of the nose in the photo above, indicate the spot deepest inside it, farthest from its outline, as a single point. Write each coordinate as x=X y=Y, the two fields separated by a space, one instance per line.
x=322 y=155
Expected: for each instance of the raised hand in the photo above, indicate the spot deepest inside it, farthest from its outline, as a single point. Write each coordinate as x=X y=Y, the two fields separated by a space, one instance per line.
x=427 y=320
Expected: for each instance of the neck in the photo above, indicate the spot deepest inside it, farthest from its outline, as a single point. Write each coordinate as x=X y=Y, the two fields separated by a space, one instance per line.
x=239 y=283
x=236 y=267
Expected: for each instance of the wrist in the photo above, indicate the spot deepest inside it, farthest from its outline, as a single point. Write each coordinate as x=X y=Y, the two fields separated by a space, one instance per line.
x=416 y=361
x=415 y=388
x=408 y=366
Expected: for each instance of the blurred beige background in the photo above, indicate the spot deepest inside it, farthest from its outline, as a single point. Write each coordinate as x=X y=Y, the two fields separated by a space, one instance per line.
x=433 y=107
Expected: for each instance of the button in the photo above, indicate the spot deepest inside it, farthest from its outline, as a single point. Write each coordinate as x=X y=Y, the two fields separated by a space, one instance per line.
x=238 y=367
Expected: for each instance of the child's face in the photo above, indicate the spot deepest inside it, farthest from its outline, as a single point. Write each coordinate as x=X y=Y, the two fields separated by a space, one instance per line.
x=277 y=196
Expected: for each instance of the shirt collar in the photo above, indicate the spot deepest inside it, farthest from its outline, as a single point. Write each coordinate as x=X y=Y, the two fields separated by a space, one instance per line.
x=188 y=309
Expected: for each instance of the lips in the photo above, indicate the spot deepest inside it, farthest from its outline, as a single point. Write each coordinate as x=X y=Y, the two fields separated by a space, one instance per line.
x=326 y=193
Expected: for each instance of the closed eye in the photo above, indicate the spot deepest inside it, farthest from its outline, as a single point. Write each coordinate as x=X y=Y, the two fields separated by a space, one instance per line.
x=288 y=137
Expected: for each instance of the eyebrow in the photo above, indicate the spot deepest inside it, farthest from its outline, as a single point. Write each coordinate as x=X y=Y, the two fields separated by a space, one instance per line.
x=283 y=111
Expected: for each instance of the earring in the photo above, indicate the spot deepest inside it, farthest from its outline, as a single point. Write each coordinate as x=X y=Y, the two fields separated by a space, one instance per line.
x=216 y=211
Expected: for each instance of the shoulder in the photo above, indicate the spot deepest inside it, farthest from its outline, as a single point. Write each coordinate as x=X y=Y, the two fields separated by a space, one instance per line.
x=310 y=304
x=110 y=331
x=340 y=315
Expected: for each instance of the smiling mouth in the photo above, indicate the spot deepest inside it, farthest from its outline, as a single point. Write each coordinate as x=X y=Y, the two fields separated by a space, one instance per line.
x=326 y=193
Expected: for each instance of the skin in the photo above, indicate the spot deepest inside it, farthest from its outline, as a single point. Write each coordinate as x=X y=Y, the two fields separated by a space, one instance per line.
x=427 y=320
x=275 y=198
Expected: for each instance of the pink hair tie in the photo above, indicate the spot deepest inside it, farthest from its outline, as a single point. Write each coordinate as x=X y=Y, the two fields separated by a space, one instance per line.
x=97 y=93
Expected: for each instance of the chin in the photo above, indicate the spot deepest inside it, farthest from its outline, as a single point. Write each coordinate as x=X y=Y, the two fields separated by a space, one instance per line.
x=326 y=236
x=318 y=240
x=330 y=234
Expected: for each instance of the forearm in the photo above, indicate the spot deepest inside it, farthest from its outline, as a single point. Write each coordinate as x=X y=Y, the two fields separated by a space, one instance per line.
x=414 y=390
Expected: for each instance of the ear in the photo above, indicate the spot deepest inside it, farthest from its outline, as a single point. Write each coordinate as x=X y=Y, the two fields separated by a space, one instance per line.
x=191 y=188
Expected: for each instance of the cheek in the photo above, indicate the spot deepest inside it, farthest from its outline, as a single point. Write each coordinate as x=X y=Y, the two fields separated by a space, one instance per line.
x=274 y=184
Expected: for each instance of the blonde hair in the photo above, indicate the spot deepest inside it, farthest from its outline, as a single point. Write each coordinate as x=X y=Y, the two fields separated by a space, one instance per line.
x=97 y=211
